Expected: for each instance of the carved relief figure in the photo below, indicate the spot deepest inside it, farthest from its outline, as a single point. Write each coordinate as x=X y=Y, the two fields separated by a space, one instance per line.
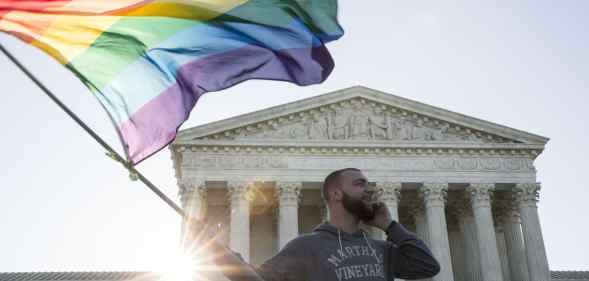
x=423 y=132
x=339 y=125
x=440 y=134
x=310 y=127
x=360 y=126
x=385 y=129
x=357 y=121
x=419 y=131
x=405 y=129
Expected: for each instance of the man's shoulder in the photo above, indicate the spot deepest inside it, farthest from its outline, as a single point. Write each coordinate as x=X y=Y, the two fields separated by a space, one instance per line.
x=304 y=239
x=307 y=237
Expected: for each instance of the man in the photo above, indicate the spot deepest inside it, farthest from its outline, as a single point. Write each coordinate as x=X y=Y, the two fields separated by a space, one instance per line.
x=339 y=250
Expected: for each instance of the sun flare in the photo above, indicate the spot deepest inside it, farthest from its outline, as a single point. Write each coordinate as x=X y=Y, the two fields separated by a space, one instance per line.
x=192 y=260
x=179 y=266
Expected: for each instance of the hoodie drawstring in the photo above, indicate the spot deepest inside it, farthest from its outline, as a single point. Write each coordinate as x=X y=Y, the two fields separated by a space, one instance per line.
x=339 y=237
x=370 y=246
x=341 y=245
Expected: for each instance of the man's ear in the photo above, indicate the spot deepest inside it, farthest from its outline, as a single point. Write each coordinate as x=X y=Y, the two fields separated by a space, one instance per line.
x=337 y=194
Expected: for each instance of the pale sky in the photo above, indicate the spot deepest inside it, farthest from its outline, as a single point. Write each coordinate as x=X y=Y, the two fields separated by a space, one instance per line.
x=522 y=64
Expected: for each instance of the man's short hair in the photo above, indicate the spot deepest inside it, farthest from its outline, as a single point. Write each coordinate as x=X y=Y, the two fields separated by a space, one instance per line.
x=331 y=180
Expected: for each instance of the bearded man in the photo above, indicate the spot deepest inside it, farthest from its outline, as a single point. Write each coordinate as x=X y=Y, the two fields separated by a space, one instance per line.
x=339 y=250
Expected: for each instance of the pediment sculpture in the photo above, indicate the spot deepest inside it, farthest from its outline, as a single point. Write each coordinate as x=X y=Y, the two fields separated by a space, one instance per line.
x=356 y=120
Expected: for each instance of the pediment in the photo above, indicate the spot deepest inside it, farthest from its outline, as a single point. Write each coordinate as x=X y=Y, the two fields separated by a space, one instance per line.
x=357 y=114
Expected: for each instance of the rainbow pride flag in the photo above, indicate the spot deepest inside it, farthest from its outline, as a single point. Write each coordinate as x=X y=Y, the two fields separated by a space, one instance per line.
x=149 y=61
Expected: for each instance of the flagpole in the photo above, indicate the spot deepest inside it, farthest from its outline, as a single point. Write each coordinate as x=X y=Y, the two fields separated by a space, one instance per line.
x=111 y=152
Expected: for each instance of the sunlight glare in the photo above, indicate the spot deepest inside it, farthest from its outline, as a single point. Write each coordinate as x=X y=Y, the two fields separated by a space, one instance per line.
x=179 y=266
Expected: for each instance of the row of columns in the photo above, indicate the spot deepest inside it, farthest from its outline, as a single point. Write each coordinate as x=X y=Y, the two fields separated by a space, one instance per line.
x=482 y=245
x=193 y=197
x=523 y=260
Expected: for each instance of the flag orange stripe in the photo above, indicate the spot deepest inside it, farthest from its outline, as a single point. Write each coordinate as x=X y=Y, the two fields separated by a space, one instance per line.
x=8 y=6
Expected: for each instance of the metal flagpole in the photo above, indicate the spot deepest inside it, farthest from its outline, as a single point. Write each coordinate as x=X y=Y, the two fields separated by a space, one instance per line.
x=241 y=268
x=112 y=153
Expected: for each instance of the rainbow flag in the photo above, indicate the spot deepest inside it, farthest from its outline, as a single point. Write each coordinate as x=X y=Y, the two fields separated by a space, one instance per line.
x=149 y=61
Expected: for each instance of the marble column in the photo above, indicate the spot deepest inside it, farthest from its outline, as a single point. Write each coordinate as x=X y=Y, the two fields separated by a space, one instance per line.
x=421 y=228
x=527 y=198
x=480 y=198
x=239 y=234
x=288 y=215
x=390 y=195
x=194 y=203
x=472 y=266
x=456 y=245
x=434 y=196
x=514 y=243
x=498 y=216
x=324 y=213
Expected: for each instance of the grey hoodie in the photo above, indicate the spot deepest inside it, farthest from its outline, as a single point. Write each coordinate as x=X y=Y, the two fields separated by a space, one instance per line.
x=328 y=254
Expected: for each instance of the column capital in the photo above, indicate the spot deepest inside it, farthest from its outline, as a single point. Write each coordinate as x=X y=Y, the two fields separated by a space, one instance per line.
x=187 y=189
x=238 y=190
x=434 y=193
x=480 y=194
x=390 y=191
x=527 y=194
x=288 y=193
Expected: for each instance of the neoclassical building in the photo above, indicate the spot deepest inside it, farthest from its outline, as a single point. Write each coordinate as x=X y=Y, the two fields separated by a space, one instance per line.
x=468 y=187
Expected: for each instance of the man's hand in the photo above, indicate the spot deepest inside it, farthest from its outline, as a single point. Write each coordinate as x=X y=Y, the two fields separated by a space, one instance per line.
x=382 y=216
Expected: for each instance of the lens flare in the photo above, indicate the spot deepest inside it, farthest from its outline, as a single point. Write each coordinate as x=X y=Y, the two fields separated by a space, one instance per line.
x=180 y=266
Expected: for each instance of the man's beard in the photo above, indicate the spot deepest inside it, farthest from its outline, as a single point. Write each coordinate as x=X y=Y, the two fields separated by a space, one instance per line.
x=359 y=208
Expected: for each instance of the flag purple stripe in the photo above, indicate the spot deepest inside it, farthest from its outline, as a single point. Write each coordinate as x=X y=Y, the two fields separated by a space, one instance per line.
x=155 y=125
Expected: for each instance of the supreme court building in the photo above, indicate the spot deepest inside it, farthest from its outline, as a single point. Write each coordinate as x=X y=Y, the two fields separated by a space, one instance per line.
x=466 y=186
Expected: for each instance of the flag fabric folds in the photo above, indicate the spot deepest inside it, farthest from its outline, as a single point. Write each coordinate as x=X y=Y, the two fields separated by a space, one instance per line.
x=149 y=61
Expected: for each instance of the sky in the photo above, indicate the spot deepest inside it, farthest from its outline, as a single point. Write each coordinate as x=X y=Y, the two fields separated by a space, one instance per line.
x=65 y=206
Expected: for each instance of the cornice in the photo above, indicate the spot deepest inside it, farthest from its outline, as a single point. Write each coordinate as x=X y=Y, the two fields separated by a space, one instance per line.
x=361 y=149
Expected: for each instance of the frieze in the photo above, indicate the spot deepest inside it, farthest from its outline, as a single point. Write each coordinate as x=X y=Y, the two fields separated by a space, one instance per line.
x=248 y=161
x=492 y=164
x=468 y=164
x=358 y=119
x=445 y=163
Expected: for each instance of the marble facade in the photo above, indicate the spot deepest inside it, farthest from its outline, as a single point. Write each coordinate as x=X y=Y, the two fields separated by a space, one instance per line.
x=468 y=187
